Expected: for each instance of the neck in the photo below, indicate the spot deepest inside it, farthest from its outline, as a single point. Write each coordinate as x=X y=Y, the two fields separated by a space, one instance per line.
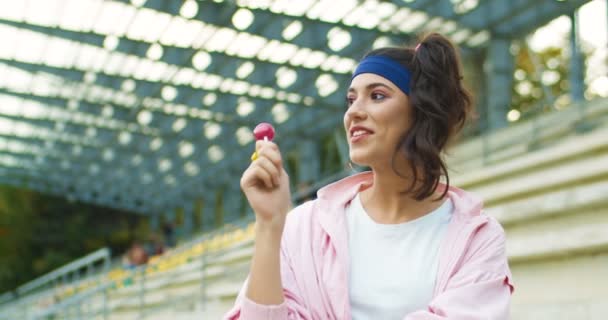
x=386 y=203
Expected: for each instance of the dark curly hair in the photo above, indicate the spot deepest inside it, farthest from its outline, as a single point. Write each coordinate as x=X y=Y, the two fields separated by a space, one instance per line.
x=440 y=107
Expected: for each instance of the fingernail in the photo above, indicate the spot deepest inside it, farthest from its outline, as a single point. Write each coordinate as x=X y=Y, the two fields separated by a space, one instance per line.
x=254 y=156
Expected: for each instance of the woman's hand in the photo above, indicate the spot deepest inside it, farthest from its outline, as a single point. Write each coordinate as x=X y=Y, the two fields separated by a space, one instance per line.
x=266 y=186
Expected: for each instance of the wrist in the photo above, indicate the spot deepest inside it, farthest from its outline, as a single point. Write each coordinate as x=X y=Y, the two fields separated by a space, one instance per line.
x=271 y=230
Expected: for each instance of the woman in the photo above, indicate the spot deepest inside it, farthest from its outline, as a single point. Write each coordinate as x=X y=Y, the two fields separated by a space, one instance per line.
x=393 y=243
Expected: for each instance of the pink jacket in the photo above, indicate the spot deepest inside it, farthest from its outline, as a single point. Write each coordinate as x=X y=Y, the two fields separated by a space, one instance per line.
x=473 y=278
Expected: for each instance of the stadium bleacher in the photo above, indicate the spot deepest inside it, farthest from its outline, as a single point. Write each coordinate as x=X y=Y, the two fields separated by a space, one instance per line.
x=544 y=195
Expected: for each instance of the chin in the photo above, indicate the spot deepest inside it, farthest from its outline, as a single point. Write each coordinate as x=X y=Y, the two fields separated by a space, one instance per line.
x=359 y=159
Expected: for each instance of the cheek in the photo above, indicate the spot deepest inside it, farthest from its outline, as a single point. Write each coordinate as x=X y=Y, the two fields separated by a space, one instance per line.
x=397 y=123
x=345 y=122
x=402 y=126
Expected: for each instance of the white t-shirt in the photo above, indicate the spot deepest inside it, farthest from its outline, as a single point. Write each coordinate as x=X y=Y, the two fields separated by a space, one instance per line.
x=393 y=266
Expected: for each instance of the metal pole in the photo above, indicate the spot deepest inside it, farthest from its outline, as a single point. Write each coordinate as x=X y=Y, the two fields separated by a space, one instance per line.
x=26 y=310
x=577 y=79
x=79 y=310
x=498 y=70
x=105 y=303
x=203 y=284
x=485 y=147
x=142 y=292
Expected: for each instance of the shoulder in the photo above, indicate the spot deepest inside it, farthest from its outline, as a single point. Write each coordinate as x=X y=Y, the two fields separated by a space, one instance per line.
x=492 y=230
x=301 y=235
x=303 y=211
x=301 y=220
x=488 y=243
x=468 y=211
x=486 y=256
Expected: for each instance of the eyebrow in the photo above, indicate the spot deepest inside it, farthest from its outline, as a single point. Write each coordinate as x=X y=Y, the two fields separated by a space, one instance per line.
x=372 y=86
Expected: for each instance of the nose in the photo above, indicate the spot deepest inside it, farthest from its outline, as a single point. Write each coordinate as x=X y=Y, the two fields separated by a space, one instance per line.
x=356 y=111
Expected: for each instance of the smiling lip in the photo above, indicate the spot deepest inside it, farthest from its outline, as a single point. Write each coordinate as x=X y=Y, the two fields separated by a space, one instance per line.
x=359 y=138
x=359 y=133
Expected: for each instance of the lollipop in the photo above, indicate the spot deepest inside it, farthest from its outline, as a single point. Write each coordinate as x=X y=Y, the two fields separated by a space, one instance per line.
x=263 y=131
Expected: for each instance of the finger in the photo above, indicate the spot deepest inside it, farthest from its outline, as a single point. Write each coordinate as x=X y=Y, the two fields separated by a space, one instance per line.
x=257 y=176
x=269 y=167
x=249 y=178
x=259 y=146
x=261 y=143
x=271 y=154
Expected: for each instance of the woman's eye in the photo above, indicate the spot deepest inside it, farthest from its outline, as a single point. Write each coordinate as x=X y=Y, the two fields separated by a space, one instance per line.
x=349 y=101
x=378 y=96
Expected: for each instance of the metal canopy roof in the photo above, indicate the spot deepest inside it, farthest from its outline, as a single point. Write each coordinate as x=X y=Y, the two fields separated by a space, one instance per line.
x=143 y=105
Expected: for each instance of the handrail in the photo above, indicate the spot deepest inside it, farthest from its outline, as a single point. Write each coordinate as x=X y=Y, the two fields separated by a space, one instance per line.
x=7 y=296
x=139 y=274
x=102 y=254
x=528 y=133
x=63 y=305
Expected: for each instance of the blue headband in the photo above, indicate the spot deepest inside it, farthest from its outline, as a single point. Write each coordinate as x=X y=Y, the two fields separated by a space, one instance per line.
x=387 y=68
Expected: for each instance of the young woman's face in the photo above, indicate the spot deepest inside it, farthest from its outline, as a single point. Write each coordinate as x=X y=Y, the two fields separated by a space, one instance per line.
x=378 y=116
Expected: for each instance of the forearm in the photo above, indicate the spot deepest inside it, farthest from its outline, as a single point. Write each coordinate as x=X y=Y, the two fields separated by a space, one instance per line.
x=265 y=285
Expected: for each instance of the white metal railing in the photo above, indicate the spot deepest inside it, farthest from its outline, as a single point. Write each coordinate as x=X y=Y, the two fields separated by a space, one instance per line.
x=99 y=301
x=71 y=269
x=33 y=295
x=529 y=134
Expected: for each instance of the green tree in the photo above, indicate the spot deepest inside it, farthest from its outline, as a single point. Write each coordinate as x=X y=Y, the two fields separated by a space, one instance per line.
x=39 y=233
x=541 y=78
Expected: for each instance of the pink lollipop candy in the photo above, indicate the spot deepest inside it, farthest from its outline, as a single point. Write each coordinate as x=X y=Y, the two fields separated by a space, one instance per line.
x=264 y=131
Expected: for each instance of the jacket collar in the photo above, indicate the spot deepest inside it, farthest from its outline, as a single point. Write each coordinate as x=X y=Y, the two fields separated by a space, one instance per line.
x=343 y=191
x=340 y=193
